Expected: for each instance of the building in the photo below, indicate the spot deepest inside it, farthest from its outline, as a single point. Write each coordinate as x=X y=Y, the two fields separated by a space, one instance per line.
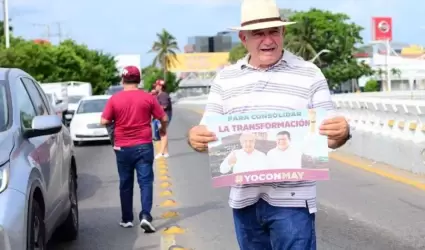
x=222 y=42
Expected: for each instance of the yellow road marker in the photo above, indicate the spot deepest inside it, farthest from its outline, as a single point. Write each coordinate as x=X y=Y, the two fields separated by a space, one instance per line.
x=164 y=177
x=168 y=203
x=166 y=193
x=173 y=230
x=169 y=215
x=178 y=248
x=162 y=167
x=165 y=184
x=163 y=171
x=381 y=172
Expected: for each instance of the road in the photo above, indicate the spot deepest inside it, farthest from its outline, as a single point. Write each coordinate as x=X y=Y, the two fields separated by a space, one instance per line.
x=357 y=209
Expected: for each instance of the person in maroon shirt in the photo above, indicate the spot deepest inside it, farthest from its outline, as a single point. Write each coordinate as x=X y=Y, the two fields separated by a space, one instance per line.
x=165 y=101
x=132 y=111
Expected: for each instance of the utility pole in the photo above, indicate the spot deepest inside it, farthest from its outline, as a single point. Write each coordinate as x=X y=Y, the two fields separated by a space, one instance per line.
x=50 y=35
x=59 y=34
x=6 y=22
x=46 y=26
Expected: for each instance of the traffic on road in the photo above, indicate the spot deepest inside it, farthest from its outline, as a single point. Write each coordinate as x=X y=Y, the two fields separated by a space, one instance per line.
x=67 y=197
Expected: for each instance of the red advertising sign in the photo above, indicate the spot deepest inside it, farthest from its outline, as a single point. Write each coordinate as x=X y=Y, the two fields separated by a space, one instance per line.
x=382 y=28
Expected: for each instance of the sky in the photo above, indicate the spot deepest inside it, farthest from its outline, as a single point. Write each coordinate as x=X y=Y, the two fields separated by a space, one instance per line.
x=130 y=26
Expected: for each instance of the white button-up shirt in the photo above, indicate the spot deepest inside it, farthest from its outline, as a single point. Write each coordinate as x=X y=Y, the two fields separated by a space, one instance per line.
x=244 y=162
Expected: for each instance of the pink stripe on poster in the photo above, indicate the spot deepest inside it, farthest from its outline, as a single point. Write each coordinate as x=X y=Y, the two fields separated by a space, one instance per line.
x=279 y=175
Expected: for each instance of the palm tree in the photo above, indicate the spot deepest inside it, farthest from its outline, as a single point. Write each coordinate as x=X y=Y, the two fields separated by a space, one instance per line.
x=165 y=47
x=300 y=39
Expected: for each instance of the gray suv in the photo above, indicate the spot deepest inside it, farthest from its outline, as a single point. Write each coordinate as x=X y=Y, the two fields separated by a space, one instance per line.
x=38 y=172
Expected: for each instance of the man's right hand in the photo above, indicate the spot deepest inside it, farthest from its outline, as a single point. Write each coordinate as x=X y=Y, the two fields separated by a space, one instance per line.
x=199 y=137
x=232 y=159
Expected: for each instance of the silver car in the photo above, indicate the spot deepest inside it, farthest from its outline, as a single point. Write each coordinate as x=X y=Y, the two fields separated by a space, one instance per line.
x=38 y=172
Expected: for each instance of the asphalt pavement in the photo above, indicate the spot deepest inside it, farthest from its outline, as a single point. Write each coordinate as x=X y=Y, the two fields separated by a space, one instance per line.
x=357 y=210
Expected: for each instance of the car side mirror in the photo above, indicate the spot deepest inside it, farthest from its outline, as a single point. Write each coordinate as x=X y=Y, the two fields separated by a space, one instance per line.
x=44 y=125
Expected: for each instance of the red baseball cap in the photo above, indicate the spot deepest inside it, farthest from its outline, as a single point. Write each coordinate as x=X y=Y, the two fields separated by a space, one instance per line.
x=131 y=74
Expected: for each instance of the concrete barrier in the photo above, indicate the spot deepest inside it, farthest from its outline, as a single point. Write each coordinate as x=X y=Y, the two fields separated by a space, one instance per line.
x=391 y=131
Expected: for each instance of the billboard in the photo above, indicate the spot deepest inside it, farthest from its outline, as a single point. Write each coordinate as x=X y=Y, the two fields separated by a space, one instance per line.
x=198 y=62
x=382 y=29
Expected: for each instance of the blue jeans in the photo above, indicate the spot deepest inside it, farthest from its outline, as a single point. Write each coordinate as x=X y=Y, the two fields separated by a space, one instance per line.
x=170 y=115
x=139 y=158
x=155 y=130
x=265 y=227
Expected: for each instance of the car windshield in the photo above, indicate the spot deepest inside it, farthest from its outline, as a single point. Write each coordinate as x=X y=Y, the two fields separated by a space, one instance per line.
x=74 y=98
x=3 y=107
x=50 y=97
x=91 y=106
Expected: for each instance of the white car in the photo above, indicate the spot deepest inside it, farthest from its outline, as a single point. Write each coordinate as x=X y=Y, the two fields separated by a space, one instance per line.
x=85 y=124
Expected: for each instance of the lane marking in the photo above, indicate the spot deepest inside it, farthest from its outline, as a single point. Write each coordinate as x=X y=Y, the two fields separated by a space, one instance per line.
x=175 y=247
x=168 y=238
x=168 y=203
x=164 y=177
x=381 y=172
x=169 y=215
x=174 y=230
x=167 y=241
x=166 y=193
x=365 y=166
x=165 y=184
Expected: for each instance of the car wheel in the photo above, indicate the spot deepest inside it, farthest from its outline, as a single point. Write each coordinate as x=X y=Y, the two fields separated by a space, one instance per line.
x=68 y=231
x=36 y=234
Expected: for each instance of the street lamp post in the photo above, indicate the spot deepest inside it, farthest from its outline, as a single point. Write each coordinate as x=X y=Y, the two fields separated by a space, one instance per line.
x=318 y=54
x=387 y=57
x=6 y=22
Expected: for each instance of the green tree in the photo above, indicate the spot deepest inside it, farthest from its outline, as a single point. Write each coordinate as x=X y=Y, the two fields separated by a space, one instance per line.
x=68 y=61
x=151 y=74
x=165 y=47
x=318 y=30
x=237 y=52
x=371 y=86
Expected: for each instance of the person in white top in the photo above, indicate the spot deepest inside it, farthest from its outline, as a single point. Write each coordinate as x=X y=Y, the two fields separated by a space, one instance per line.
x=245 y=159
x=284 y=156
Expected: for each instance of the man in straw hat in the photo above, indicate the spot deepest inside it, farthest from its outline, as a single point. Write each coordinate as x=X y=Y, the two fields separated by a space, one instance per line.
x=279 y=216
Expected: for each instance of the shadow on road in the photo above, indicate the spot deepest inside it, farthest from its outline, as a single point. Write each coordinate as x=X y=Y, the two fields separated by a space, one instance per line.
x=188 y=212
x=99 y=229
x=88 y=184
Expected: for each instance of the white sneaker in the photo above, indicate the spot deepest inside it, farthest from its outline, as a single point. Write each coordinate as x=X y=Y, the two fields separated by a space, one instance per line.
x=166 y=155
x=147 y=226
x=159 y=156
x=126 y=224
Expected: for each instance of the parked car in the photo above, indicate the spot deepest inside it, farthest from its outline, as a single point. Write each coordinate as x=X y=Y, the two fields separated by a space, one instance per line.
x=85 y=124
x=114 y=89
x=38 y=171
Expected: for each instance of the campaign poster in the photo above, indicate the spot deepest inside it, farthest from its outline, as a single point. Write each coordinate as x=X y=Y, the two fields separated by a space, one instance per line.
x=268 y=147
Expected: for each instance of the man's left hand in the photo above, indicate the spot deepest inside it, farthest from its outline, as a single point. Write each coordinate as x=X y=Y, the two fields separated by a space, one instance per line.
x=337 y=131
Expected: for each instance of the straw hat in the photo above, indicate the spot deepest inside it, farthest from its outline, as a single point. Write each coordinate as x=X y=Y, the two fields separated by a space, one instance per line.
x=260 y=14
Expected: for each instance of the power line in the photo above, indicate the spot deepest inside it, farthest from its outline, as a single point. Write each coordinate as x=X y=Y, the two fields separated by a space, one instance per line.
x=49 y=34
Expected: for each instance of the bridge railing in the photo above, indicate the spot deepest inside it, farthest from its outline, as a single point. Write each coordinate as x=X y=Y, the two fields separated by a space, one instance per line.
x=386 y=130
x=401 y=94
